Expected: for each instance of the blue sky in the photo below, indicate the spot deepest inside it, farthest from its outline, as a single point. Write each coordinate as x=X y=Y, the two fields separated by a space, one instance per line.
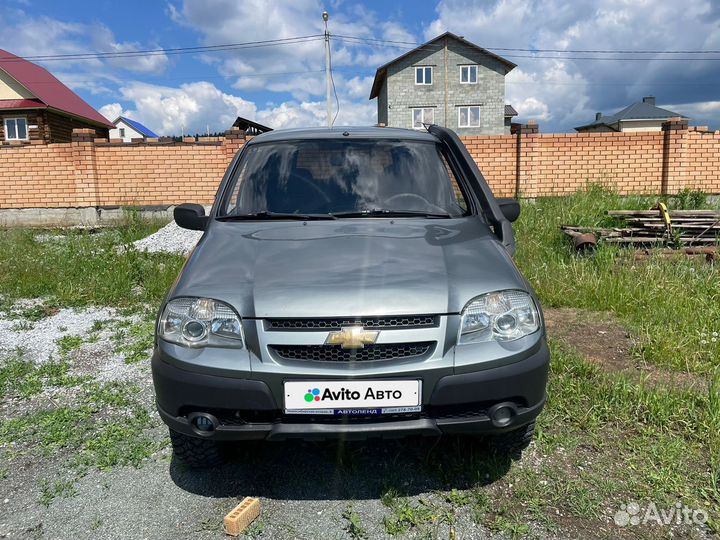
x=283 y=86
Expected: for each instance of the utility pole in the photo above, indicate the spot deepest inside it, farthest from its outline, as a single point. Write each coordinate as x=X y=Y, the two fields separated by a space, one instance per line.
x=328 y=83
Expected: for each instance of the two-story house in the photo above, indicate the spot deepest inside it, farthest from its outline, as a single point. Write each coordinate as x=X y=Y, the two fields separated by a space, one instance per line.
x=447 y=81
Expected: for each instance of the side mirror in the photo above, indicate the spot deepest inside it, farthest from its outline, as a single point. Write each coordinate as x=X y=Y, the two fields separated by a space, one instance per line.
x=190 y=216
x=510 y=208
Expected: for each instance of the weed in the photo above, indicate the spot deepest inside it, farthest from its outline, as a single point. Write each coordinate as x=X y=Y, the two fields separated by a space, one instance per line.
x=690 y=199
x=96 y=523
x=510 y=526
x=67 y=344
x=22 y=326
x=105 y=428
x=255 y=529
x=406 y=516
x=389 y=497
x=458 y=498
x=60 y=488
x=135 y=340
x=24 y=379
x=354 y=524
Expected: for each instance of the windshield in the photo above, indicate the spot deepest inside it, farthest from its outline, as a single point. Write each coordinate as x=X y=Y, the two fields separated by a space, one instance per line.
x=352 y=177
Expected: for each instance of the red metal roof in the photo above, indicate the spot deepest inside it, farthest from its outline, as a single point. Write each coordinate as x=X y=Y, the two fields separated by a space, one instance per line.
x=48 y=89
x=22 y=104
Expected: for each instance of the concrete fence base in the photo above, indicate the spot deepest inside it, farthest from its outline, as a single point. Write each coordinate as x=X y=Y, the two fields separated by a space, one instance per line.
x=49 y=218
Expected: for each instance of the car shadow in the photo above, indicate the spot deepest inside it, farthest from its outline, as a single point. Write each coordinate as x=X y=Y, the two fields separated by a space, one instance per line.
x=336 y=470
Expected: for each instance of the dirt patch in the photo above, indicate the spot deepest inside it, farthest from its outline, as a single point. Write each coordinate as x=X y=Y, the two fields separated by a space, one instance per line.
x=599 y=337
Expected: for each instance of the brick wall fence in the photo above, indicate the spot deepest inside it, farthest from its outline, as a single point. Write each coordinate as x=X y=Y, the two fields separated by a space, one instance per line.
x=95 y=173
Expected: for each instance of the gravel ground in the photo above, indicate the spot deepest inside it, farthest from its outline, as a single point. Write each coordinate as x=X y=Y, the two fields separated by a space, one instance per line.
x=170 y=239
x=302 y=497
x=305 y=488
x=38 y=339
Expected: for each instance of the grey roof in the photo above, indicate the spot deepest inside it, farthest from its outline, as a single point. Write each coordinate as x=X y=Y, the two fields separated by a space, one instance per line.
x=510 y=111
x=636 y=111
x=382 y=70
x=357 y=132
x=244 y=123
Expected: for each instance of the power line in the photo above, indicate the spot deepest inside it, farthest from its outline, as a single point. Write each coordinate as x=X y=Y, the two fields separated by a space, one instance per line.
x=537 y=50
x=164 y=52
x=351 y=71
x=534 y=56
x=533 y=53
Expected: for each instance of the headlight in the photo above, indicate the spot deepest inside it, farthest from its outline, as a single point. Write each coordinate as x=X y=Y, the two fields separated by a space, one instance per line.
x=200 y=322
x=499 y=316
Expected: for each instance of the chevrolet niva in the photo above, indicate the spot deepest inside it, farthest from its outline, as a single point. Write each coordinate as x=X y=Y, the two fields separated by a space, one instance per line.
x=350 y=283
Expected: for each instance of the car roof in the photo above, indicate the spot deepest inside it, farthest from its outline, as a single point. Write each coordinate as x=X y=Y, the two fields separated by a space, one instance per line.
x=344 y=132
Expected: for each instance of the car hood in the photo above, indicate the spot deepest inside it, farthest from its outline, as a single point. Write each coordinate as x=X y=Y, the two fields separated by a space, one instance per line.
x=347 y=267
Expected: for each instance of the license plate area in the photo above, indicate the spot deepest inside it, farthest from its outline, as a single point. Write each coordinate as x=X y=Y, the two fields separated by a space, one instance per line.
x=352 y=398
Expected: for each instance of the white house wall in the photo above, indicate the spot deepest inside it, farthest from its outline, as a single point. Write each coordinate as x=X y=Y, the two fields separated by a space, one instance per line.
x=130 y=133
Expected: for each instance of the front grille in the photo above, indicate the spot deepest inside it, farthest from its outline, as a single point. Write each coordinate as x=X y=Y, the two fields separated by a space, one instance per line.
x=399 y=322
x=335 y=353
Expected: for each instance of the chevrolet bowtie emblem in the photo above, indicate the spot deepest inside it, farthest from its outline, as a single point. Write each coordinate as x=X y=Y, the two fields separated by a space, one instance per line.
x=352 y=337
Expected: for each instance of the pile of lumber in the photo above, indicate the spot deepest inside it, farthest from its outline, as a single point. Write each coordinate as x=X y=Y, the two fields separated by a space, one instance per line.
x=648 y=227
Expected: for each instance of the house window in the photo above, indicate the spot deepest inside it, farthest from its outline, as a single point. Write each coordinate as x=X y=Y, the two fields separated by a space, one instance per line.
x=16 y=129
x=122 y=132
x=468 y=74
x=420 y=116
x=423 y=75
x=469 y=116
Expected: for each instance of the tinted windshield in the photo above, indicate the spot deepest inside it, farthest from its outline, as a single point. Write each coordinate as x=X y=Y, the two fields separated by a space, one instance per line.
x=343 y=176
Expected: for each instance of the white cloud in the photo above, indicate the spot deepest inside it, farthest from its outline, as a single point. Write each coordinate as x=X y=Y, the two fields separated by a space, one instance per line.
x=565 y=93
x=302 y=114
x=705 y=113
x=61 y=37
x=191 y=107
x=155 y=63
x=195 y=106
x=111 y=111
x=222 y=21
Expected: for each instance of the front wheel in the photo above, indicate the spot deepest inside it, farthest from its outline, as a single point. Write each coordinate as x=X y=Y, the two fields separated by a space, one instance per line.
x=195 y=452
x=512 y=443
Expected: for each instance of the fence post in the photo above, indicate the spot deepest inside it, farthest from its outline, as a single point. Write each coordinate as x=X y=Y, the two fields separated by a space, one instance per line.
x=83 y=154
x=234 y=139
x=531 y=128
x=673 y=133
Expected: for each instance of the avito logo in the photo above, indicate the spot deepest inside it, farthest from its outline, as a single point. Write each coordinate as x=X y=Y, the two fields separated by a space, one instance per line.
x=315 y=394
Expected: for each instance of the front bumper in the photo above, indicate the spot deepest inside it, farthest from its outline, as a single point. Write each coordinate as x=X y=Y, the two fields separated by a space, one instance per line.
x=246 y=409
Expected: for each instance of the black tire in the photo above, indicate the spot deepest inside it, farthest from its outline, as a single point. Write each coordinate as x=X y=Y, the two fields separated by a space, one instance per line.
x=196 y=452
x=512 y=443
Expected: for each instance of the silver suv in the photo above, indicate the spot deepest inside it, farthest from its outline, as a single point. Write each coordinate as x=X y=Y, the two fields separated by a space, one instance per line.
x=353 y=282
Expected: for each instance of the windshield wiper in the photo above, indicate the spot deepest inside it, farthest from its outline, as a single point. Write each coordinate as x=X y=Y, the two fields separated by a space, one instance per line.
x=274 y=215
x=377 y=212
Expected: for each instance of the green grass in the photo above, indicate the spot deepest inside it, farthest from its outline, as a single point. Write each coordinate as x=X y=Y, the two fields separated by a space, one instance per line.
x=85 y=269
x=135 y=338
x=67 y=344
x=672 y=306
x=23 y=379
x=603 y=439
x=612 y=438
x=103 y=427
